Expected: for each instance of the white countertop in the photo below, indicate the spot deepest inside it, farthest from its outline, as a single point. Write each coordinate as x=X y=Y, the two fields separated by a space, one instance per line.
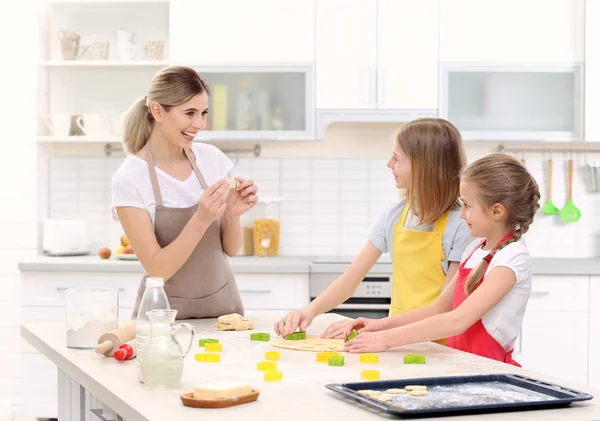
x=282 y=264
x=300 y=396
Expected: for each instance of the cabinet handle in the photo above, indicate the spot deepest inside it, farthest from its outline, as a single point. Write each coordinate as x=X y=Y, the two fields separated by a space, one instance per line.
x=256 y=291
x=380 y=94
x=365 y=83
x=61 y=289
x=373 y=87
x=539 y=294
x=100 y=414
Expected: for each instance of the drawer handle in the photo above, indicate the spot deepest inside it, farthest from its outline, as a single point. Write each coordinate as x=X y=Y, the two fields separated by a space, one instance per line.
x=61 y=289
x=539 y=294
x=100 y=414
x=257 y=291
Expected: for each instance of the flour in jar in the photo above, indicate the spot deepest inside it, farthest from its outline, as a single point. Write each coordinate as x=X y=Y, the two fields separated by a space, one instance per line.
x=84 y=331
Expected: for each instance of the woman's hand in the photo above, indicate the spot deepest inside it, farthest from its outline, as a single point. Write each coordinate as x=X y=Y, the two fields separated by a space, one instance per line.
x=368 y=342
x=212 y=203
x=242 y=197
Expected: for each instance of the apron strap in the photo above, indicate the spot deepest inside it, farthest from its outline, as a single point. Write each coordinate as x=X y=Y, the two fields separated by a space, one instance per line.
x=440 y=224
x=153 y=178
x=192 y=160
x=403 y=215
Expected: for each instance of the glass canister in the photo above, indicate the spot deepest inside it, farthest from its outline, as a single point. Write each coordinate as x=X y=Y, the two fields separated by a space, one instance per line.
x=267 y=227
x=90 y=312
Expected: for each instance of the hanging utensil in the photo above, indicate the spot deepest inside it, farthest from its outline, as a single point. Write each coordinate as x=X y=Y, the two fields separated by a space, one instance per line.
x=570 y=213
x=549 y=208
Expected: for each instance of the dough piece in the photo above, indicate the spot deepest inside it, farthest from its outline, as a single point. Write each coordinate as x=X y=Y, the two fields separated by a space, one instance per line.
x=311 y=343
x=410 y=388
x=419 y=393
x=370 y=393
x=232 y=182
x=384 y=398
x=396 y=391
x=233 y=322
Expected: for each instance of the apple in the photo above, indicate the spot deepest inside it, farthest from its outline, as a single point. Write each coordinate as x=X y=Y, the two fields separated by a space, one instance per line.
x=120 y=249
x=128 y=250
x=125 y=240
x=104 y=253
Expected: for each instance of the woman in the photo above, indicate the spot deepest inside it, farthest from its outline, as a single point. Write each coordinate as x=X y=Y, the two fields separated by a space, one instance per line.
x=173 y=201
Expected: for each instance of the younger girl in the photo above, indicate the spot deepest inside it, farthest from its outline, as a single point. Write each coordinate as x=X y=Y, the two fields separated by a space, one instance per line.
x=423 y=233
x=482 y=309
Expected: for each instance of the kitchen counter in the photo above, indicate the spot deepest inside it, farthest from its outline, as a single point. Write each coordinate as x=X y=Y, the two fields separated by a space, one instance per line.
x=93 y=263
x=301 y=395
x=279 y=264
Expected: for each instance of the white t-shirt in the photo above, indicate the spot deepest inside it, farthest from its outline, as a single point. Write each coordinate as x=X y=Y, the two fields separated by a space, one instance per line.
x=131 y=184
x=504 y=320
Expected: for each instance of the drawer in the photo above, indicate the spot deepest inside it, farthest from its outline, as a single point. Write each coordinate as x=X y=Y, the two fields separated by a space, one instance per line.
x=559 y=293
x=273 y=291
x=48 y=289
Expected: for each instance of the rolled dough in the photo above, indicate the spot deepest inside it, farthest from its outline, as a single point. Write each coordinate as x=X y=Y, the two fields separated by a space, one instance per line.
x=311 y=343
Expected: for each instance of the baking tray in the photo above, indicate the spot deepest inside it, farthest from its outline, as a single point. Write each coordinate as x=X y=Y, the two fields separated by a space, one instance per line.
x=465 y=395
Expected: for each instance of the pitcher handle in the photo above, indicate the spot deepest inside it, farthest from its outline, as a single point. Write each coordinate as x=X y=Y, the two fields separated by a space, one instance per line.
x=192 y=333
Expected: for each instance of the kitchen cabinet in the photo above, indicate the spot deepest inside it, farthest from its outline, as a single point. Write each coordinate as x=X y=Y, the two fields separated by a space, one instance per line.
x=513 y=101
x=346 y=54
x=594 y=333
x=239 y=31
x=554 y=336
x=512 y=31
x=592 y=71
x=43 y=301
x=259 y=102
x=377 y=54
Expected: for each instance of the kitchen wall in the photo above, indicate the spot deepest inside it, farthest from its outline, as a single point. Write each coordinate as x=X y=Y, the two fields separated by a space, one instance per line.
x=18 y=179
x=332 y=191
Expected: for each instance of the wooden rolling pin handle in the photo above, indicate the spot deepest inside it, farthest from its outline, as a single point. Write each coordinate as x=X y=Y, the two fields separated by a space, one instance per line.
x=105 y=347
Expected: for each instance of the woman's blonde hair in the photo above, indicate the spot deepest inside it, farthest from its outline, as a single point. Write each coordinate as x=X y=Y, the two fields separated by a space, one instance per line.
x=171 y=86
x=435 y=149
x=503 y=179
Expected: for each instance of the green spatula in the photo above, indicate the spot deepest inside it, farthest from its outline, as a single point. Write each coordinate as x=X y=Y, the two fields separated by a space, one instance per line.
x=570 y=213
x=549 y=208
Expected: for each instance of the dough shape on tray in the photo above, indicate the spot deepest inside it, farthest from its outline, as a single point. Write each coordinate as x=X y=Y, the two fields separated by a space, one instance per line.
x=311 y=343
x=396 y=391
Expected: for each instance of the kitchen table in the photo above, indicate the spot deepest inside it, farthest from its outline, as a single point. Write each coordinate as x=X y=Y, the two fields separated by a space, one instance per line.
x=93 y=387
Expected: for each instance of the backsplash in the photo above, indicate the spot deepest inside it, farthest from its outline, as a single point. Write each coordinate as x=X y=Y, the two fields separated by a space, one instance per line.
x=328 y=205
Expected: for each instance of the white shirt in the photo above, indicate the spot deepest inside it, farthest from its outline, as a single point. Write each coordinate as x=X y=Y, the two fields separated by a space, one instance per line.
x=131 y=184
x=504 y=320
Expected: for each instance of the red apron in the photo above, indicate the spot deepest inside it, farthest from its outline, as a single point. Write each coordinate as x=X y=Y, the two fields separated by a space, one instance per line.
x=476 y=339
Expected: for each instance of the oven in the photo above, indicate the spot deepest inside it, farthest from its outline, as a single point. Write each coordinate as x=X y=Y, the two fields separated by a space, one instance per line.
x=372 y=296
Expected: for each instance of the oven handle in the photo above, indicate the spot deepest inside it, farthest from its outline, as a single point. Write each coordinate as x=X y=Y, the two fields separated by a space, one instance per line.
x=363 y=307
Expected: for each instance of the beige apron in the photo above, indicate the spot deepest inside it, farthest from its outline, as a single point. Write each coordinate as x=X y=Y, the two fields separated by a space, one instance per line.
x=204 y=287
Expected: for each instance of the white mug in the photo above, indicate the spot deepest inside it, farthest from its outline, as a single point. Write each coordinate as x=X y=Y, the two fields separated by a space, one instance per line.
x=93 y=124
x=124 y=35
x=59 y=124
x=126 y=50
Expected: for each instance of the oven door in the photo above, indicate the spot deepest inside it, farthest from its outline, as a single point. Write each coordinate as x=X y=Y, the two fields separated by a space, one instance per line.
x=356 y=309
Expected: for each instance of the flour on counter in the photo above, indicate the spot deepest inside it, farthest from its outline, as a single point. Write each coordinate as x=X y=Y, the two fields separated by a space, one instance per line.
x=84 y=332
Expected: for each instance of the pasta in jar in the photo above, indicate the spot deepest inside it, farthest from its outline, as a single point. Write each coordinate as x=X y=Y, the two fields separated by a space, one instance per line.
x=266 y=237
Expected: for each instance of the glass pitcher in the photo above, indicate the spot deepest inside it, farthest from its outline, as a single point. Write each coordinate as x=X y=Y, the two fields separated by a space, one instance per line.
x=161 y=359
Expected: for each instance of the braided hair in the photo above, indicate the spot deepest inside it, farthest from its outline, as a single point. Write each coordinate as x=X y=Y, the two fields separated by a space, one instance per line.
x=503 y=179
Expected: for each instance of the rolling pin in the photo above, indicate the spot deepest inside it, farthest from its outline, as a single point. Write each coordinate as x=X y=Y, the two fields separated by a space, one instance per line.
x=125 y=351
x=110 y=341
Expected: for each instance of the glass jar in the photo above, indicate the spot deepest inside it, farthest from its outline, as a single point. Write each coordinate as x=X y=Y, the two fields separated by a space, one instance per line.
x=90 y=312
x=267 y=227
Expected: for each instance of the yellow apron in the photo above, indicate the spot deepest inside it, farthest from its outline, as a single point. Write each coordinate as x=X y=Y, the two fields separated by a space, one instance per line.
x=417 y=266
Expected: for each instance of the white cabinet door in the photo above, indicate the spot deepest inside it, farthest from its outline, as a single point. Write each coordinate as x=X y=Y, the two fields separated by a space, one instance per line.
x=407 y=45
x=533 y=31
x=594 y=354
x=346 y=55
x=241 y=31
x=592 y=71
x=554 y=336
